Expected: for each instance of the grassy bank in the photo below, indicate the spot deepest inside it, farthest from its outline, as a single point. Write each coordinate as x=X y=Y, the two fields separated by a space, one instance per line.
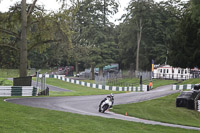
x=77 y=90
x=17 y=118
x=162 y=109
x=136 y=82
x=82 y=90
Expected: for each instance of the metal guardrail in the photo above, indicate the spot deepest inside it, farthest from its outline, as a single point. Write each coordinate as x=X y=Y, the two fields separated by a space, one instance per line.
x=197 y=102
x=198 y=106
x=18 y=91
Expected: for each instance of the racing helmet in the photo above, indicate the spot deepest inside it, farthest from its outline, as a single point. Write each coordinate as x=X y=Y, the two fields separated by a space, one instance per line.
x=111 y=95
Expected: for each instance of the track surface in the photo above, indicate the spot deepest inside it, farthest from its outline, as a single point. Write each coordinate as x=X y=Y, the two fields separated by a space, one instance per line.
x=88 y=105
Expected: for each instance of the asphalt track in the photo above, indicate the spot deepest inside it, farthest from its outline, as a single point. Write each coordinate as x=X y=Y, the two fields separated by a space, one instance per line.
x=88 y=105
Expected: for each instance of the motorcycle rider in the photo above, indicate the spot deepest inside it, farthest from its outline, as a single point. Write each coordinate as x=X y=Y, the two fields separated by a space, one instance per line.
x=111 y=96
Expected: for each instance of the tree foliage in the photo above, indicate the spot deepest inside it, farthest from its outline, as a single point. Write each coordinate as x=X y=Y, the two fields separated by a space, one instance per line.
x=92 y=32
x=81 y=33
x=184 y=50
x=43 y=30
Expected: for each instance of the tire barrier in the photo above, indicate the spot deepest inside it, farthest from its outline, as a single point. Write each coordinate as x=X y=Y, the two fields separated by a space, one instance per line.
x=197 y=87
x=18 y=91
x=183 y=87
x=98 y=86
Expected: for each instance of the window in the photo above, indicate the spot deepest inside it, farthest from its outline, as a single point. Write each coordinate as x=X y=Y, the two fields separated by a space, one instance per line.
x=179 y=71
x=164 y=71
x=160 y=70
x=167 y=70
x=185 y=71
x=172 y=70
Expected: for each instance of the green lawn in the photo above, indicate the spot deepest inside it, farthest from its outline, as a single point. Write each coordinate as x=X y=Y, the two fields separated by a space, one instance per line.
x=162 y=82
x=77 y=90
x=82 y=90
x=136 y=82
x=190 y=81
x=9 y=73
x=162 y=109
x=5 y=82
x=17 y=118
x=13 y=73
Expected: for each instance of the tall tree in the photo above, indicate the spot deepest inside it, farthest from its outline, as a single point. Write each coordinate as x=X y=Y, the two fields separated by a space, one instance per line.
x=42 y=30
x=138 y=11
x=23 y=47
x=138 y=17
x=93 y=30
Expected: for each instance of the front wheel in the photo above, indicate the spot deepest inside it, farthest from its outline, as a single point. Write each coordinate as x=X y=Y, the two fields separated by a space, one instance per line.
x=105 y=107
x=99 y=109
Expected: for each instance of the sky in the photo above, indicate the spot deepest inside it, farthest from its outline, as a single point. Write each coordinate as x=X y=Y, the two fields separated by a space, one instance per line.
x=53 y=5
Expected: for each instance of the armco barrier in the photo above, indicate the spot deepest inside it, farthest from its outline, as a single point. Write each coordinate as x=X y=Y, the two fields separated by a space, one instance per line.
x=98 y=86
x=183 y=87
x=18 y=91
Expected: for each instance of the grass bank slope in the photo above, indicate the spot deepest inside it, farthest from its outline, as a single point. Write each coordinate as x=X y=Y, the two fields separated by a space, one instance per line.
x=162 y=109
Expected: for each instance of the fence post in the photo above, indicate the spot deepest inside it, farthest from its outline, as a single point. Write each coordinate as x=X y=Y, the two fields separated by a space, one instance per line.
x=140 y=79
x=37 y=74
x=141 y=82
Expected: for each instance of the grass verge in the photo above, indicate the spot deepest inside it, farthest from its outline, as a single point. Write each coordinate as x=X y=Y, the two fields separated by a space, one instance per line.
x=162 y=109
x=18 y=118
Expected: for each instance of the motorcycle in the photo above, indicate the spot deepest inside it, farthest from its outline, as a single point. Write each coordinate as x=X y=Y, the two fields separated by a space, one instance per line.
x=105 y=105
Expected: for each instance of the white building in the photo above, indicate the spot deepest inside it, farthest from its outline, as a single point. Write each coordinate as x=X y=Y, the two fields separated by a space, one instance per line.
x=169 y=72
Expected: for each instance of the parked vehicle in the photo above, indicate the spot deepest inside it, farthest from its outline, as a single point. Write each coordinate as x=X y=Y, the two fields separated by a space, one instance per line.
x=197 y=87
x=67 y=70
